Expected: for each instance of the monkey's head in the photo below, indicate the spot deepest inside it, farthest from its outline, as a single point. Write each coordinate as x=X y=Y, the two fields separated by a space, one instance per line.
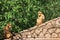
x=7 y=26
x=39 y=13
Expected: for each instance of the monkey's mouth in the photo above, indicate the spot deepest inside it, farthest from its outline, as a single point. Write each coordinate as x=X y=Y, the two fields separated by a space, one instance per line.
x=39 y=15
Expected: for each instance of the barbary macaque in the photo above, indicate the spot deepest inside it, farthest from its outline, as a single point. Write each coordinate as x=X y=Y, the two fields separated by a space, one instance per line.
x=40 y=18
x=7 y=32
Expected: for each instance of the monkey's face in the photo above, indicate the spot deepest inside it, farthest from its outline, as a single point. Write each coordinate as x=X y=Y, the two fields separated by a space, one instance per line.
x=7 y=27
x=39 y=14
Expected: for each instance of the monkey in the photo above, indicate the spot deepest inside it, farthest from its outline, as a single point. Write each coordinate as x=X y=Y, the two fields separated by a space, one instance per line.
x=7 y=32
x=40 y=18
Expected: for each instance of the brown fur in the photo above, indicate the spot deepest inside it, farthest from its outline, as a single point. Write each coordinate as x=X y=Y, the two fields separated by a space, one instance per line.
x=40 y=18
x=7 y=32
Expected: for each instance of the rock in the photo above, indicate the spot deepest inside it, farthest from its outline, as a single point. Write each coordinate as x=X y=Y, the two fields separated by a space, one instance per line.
x=54 y=35
x=48 y=25
x=51 y=30
x=47 y=35
x=34 y=35
x=59 y=35
x=57 y=30
x=28 y=36
x=8 y=39
x=58 y=23
x=14 y=37
x=44 y=31
x=37 y=31
x=41 y=35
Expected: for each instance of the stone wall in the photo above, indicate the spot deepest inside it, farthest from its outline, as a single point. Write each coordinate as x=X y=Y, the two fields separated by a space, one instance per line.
x=49 y=30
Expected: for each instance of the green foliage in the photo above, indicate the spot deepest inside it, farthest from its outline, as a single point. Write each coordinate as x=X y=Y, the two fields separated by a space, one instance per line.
x=23 y=13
